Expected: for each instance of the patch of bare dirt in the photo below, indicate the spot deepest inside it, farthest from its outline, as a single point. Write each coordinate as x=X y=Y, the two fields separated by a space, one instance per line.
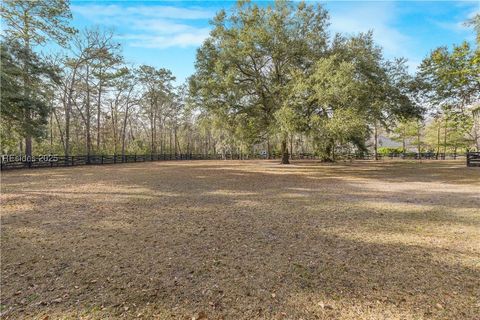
x=242 y=240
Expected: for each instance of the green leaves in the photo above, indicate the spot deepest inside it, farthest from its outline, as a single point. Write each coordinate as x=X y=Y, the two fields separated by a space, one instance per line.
x=334 y=83
x=16 y=104
x=26 y=25
x=276 y=66
x=244 y=69
x=452 y=76
x=36 y=22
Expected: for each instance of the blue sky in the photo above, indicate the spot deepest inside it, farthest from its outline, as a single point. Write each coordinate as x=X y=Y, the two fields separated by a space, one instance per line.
x=167 y=33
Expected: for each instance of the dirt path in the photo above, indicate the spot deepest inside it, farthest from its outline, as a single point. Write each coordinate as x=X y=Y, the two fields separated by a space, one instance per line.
x=242 y=240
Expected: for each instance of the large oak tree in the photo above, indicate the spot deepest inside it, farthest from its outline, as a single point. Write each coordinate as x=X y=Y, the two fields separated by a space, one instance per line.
x=244 y=66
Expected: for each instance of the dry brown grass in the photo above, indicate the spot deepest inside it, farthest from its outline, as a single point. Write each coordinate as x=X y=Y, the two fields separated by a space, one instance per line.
x=242 y=240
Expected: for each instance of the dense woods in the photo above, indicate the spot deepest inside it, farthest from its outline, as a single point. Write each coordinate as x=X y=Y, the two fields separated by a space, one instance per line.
x=270 y=78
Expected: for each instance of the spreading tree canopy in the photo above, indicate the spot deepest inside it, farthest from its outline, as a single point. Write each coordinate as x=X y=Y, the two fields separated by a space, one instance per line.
x=247 y=62
x=274 y=70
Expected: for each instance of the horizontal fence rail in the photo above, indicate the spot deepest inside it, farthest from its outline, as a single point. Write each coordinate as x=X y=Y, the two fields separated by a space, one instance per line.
x=473 y=159
x=21 y=162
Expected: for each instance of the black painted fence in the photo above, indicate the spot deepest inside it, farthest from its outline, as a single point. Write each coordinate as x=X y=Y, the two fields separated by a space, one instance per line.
x=473 y=159
x=13 y=162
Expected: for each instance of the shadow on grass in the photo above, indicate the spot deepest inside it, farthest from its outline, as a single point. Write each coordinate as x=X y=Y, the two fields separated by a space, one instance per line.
x=241 y=243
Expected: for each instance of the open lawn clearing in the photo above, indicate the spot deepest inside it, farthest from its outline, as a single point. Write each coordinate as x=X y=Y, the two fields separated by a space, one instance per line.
x=242 y=240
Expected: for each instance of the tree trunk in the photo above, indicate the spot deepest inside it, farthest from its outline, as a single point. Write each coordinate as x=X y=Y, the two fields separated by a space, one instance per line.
x=205 y=145
x=269 y=149
x=68 y=108
x=87 y=122
x=51 y=133
x=99 y=109
x=333 y=152
x=28 y=145
x=438 y=140
x=209 y=142
x=188 y=142
x=26 y=86
x=161 y=137
x=419 y=142
x=375 y=151
x=113 y=110
x=62 y=140
x=177 y=144
x=291 y=146
x=175 y=139
x=445 y=137
x=153 y=129
x=124 y=129
x=28 y=117
x=124 y=124
x=476 y=129
x=67 y=123
x=285 y=151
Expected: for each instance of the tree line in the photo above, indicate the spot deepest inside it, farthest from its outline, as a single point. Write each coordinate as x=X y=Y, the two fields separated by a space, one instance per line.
x=269 y=78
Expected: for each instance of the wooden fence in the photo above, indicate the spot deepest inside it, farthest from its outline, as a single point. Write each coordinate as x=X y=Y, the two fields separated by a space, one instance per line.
x=473 y=159
x=21 y=162
x=15 y=162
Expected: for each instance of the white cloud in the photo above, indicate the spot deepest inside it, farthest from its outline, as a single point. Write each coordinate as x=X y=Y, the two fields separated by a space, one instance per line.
x=378 y=17
x=458 y=26
x=193 y=37
x=371 y=16
x=154 y=11
x=150 y=26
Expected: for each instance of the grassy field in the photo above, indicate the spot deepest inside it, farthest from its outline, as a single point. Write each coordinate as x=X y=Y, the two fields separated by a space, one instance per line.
x=242 y=240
